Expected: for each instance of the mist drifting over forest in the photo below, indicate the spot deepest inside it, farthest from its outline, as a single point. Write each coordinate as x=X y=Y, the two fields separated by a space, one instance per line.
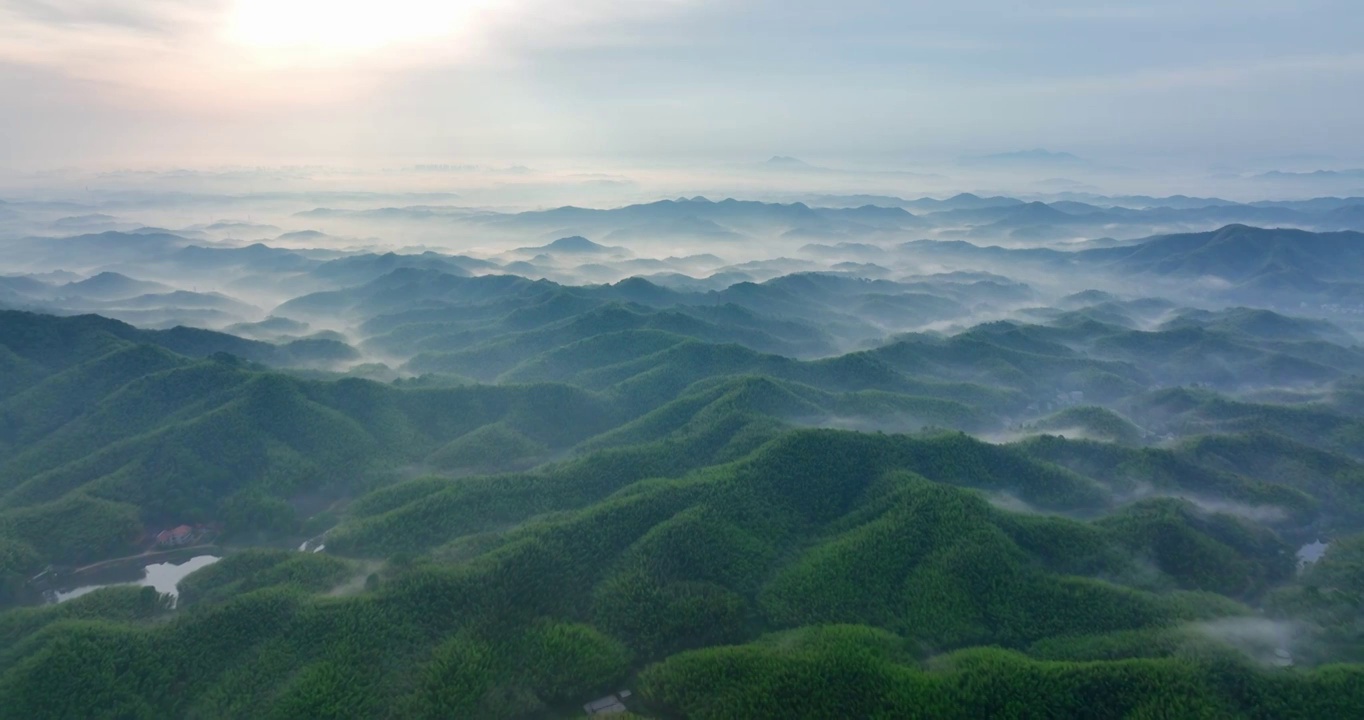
x=505 y=359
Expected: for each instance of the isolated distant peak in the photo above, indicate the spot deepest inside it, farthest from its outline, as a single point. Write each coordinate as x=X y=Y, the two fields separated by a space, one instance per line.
x=302 y=235
x=574 y=243
x=107 y=276
x=787 y=161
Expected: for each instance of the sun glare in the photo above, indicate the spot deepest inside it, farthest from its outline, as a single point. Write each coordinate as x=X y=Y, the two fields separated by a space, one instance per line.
x=345 y=26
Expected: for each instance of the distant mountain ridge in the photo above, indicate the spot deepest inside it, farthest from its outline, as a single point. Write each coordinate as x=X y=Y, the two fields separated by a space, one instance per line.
x=112 y=285
x=191 y=342
x=1239 y=253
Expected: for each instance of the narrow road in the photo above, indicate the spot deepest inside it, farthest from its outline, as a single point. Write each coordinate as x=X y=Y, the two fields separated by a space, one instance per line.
x=143 y=555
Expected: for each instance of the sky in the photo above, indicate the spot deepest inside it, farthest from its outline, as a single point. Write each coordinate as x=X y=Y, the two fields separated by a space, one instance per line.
x=126 y=83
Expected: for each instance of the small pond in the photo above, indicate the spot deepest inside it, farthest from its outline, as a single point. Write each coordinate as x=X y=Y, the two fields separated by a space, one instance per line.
x=162 y=576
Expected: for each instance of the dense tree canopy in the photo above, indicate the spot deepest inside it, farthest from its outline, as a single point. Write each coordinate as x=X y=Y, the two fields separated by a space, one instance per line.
x=709 y=525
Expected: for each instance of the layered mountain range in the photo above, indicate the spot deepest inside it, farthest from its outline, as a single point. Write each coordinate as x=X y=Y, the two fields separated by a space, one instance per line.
x=706 y=459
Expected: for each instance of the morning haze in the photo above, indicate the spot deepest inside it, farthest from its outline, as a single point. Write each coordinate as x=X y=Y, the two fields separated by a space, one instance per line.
x=681 y=359
x=146 y=82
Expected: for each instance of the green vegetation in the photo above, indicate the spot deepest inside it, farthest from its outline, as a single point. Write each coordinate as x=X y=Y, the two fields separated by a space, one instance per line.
x=491 y=446
x=255 y=569
x=839 y=671
x=134 y=436
x=1330 y=595
x=1092 y=422
x=672 y=502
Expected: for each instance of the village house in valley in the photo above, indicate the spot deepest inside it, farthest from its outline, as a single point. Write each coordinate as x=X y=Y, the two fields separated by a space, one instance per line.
x=176 y=537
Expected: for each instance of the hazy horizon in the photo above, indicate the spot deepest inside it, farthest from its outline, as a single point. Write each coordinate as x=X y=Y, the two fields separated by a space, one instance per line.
x=1209 y=86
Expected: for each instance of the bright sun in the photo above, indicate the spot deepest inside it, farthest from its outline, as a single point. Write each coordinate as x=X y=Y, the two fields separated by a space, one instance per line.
x=345 y=26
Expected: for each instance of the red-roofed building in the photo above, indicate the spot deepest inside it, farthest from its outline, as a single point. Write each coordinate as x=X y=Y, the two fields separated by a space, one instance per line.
x=179 y=536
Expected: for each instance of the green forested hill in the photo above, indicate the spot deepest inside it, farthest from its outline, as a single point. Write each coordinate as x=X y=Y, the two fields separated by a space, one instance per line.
x=114 y=435
x=874 y=569
x=724 y=531
x=42 y=344
x=840 y=671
